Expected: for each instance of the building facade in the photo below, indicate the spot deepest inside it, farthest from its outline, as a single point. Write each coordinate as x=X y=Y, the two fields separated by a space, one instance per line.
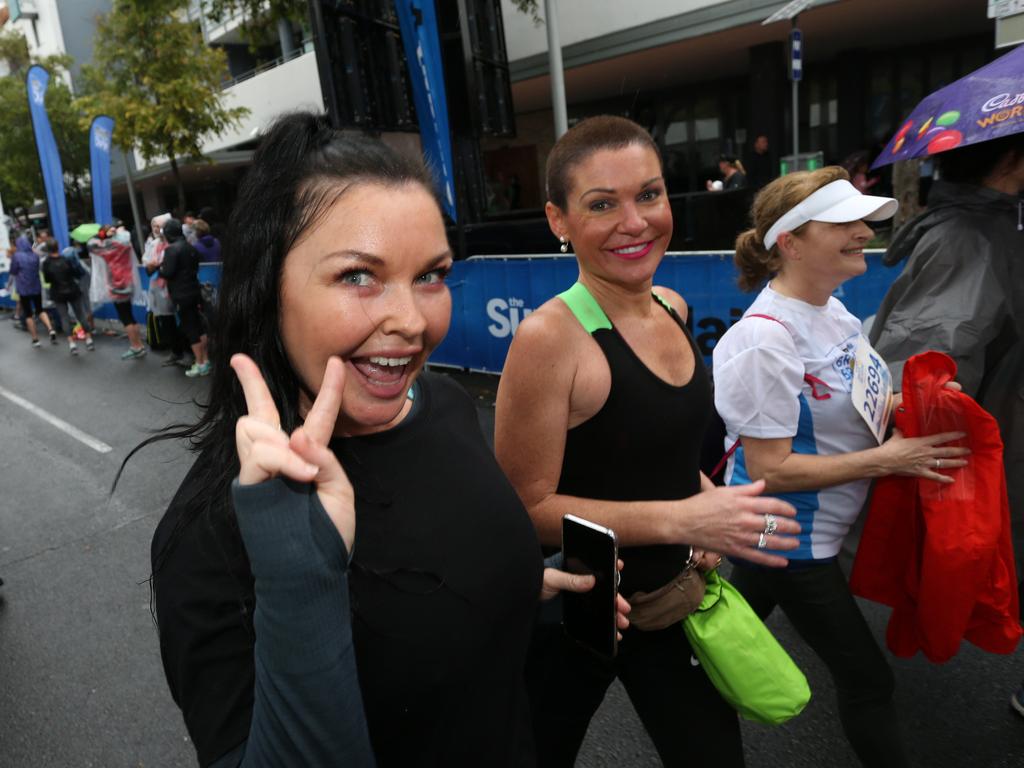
x=705 y=77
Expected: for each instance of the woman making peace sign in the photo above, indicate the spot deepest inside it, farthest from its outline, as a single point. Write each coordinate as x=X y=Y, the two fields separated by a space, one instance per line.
x=284 y=641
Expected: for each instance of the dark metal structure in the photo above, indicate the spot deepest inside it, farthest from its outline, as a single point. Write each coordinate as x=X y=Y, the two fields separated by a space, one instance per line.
x=365 y=82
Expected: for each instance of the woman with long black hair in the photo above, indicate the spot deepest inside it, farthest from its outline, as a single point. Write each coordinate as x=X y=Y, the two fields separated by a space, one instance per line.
x=314 y=615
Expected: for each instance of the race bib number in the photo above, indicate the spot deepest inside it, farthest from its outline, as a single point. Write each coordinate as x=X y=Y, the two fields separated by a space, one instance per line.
x=872 y=388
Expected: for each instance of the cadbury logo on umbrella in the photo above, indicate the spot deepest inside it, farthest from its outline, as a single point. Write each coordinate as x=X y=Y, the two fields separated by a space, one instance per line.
x=1002 y=101
x=965 y=112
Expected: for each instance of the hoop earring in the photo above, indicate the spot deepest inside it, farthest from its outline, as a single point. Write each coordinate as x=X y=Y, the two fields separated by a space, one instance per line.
x=565 y=244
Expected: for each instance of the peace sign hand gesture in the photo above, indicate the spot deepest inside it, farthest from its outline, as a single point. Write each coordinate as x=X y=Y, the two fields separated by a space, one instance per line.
x=265 y=451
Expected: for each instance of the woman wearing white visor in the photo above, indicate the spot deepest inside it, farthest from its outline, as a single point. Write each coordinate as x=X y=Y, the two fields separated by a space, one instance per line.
x=785 y=385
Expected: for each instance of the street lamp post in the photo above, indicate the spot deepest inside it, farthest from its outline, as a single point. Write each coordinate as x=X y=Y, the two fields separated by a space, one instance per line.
x=136 y=217
x=555 y=68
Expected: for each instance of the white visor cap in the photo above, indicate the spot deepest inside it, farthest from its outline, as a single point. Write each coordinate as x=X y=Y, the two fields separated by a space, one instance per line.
x=835 y=203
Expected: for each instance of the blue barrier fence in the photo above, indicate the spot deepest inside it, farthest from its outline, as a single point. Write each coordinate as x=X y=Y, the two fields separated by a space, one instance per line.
x=492 y=294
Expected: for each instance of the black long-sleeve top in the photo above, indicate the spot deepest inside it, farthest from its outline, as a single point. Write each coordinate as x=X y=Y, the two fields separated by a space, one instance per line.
x=443 y=587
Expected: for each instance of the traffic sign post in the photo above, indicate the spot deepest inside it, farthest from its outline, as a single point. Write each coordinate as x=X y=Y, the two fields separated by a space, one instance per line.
x=796 y=59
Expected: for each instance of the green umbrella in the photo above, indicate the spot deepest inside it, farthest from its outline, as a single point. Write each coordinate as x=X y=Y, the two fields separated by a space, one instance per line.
x=83 y=232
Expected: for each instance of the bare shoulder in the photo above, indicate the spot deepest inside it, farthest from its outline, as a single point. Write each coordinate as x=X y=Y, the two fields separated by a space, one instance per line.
x=550 y=331
x=672 y=297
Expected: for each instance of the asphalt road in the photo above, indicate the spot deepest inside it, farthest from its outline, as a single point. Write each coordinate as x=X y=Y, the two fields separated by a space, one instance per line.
x=80 y=676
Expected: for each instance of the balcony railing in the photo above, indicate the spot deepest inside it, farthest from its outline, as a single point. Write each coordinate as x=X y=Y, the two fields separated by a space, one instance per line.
x=303 y=48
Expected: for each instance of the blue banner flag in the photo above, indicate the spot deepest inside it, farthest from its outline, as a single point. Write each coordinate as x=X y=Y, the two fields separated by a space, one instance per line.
x=418 y=22
x=49 y=158
x=100 y=134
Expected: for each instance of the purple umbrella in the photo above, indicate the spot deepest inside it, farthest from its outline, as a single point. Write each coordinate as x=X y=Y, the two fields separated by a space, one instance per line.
x=986 y=104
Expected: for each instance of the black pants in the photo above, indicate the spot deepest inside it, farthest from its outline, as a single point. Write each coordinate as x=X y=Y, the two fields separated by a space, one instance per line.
x=190 y=315
x=688 y=721
x=817 y=601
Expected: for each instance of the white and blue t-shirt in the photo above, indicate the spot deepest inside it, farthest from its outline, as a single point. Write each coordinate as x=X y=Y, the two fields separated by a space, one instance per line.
x=792 y=378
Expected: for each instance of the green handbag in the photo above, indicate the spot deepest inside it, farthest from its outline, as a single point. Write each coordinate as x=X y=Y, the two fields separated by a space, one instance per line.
x=742 y=658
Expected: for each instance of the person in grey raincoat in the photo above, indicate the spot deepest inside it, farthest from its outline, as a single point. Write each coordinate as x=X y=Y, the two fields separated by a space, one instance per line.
x=962 y=291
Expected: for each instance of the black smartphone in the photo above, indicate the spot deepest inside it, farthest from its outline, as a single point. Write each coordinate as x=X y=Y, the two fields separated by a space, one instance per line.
x=589 y=617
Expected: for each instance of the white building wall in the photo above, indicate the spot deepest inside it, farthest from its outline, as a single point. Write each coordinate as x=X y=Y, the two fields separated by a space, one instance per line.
x=292 y=85
x=50 y=40
x=581 y=20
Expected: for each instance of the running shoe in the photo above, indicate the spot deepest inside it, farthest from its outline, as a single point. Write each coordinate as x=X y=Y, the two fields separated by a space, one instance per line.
x=90 y=344
x=36 y=344
x=133 y=353
x=170 y=361
x=53 y=337
x=1017 y=700
x=198 y=370
x=73 y=348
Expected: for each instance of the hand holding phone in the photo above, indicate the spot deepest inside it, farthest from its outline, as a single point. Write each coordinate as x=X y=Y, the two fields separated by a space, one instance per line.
x=590 y=617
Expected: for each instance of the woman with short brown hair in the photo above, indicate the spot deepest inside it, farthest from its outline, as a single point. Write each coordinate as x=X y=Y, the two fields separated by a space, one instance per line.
x=601 y=413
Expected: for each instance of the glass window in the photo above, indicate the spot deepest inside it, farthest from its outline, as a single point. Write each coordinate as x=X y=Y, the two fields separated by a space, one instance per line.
x=822 y=115
x=911 y=84
x=676 y=154
x=971 y=59
x=707 y=128
x=707 y=132
x=678 y=131
x=880 y=101
x=940 y=70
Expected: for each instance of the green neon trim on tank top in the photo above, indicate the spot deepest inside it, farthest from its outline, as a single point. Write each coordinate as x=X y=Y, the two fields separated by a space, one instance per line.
x=586 y=309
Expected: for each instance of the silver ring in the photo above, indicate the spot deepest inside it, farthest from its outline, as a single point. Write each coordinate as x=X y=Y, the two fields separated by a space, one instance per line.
x=938 y=463
x=762 y=541
x=771 y=524
x=691 y=561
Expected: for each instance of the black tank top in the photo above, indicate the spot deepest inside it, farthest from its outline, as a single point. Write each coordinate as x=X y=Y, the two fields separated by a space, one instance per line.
x=643 y=445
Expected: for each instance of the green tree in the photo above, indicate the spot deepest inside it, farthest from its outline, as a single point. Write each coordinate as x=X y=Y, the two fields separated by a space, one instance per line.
x=160 y=82
x=530 y=7
x=21 y=181
x=258 y=17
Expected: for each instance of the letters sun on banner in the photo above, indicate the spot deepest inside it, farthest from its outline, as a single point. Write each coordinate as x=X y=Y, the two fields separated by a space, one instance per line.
x=100 y=134
x=36 y=82
x=417 y=20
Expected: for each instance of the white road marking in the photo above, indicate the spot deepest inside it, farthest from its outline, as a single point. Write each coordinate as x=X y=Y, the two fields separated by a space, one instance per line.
x=63 y=426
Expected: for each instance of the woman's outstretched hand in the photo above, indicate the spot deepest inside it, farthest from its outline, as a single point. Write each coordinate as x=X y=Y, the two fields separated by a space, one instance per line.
x=738 y=521
x=265 y=451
